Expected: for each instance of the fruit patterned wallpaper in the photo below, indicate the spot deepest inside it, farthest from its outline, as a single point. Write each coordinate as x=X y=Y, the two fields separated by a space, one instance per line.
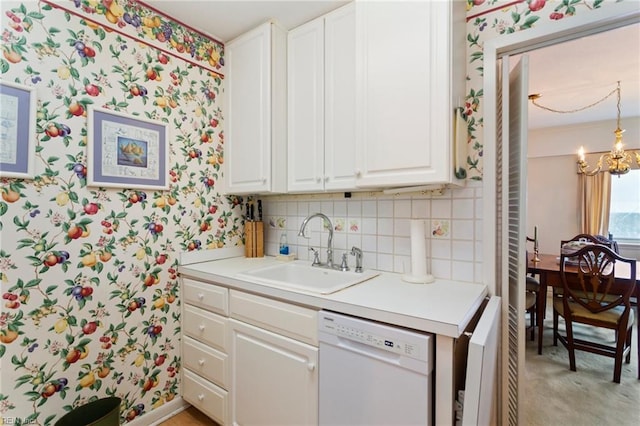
x=89 y=286
x=487 y=19
x=88 y=275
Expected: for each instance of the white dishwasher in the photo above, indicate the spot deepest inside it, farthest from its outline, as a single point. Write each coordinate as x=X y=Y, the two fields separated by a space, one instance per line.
x=373 y=373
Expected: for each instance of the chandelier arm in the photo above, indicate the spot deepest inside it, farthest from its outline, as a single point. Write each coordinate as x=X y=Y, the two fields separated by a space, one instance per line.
x=618 y=161
x=533 y=99
x=583 y=166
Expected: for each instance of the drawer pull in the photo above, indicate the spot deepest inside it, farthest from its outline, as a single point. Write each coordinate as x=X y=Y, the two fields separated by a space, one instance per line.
x=200 y=296
x=311 y=366
x=201 y=361
x=201 y=327
x=200 y=397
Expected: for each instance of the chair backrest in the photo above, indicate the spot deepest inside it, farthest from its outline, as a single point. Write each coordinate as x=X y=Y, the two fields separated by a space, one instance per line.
x=613 y=244
x=583 y=237
x=588 y=278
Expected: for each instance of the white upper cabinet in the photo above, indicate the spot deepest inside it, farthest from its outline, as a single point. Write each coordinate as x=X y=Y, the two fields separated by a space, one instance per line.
x=321 y=103
x=408 y=86
x=256 y=112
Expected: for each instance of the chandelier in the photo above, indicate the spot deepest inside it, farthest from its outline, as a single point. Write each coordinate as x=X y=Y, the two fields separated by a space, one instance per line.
x=618 y=160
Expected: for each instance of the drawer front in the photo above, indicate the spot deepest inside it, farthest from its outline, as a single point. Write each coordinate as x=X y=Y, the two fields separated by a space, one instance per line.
x=207 y=362
x=205 y=327
x=282 y=318
x=206 y=296
x=206 y=397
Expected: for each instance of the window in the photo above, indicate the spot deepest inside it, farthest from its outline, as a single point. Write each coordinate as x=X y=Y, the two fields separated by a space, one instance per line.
x=624 y=217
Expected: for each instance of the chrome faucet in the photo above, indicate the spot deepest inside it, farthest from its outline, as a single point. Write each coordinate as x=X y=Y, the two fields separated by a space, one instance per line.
x=326 y=220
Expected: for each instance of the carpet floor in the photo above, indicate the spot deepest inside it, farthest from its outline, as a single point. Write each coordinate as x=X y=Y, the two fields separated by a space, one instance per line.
x=555 y=395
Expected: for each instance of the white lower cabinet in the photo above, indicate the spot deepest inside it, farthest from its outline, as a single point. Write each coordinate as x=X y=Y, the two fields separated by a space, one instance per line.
x=274 y=378
x=248 y=359
x=205 y=342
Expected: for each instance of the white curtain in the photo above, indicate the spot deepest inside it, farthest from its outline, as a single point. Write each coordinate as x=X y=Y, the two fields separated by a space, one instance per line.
x=595 y=201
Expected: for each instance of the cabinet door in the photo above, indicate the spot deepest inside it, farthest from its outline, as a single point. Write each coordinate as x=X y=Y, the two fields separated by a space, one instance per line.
x=256 y=118
x=305 y=62
x=340 y=99
x=274 y=378
x=404 y=110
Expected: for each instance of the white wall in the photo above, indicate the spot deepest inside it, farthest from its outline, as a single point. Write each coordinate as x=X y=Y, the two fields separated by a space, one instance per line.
x=552 y=179
x=595 y=137
x=552 y=201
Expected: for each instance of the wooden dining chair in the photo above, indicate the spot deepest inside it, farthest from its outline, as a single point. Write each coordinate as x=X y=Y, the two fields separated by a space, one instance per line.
x=557 y=291
x=530 y=304
x=592 y=296
x=532 y=290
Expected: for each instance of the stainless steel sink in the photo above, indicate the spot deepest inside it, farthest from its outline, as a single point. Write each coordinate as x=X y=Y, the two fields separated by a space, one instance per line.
x=300 y=275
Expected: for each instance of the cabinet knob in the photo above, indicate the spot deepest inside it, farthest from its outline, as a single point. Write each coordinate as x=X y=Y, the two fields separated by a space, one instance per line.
x=357 y=172
x=311 y=366
x=200 y=397
x=201 y=362
x=201 y=327
x=318 y=179
x=200 y=296
x=326 y=179
x=264 y=180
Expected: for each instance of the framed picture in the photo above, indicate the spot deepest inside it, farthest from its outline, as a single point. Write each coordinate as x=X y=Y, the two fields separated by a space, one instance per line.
x=125 y=151
x=17 y=130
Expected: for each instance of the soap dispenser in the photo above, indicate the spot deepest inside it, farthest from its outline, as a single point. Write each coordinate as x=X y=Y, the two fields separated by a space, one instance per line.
x=284 y=246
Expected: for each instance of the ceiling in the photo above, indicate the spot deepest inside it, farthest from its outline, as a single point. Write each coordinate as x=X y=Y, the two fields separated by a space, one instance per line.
x=226 y=19
x=580 y=72
x=569 y=75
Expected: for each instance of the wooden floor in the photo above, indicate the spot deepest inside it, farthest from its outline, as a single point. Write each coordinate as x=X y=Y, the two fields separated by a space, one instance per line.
x=189 y=417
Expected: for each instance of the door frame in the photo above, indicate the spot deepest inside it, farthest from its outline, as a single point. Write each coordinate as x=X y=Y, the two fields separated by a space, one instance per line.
x=600 y=20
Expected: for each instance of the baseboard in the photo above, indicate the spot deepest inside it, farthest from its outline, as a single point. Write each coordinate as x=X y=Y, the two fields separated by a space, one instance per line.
x=162 y=413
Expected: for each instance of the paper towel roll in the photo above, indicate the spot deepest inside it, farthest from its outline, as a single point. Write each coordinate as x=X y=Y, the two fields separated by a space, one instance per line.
x=418 y=272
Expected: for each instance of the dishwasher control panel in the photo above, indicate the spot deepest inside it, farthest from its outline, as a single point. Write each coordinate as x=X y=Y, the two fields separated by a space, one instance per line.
x=397 y=340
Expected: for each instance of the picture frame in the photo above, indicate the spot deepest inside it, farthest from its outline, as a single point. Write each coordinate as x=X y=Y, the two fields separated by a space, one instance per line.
x=17 y=130
x=125 y=151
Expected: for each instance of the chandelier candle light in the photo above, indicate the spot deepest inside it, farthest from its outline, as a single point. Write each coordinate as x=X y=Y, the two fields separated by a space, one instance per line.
x=536 y=250
x=618 y=160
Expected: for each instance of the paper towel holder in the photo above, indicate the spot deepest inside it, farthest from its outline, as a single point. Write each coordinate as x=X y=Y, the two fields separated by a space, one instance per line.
x=418 y=279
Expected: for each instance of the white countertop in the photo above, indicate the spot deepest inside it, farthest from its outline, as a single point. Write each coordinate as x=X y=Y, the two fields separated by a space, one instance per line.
x=443 y=307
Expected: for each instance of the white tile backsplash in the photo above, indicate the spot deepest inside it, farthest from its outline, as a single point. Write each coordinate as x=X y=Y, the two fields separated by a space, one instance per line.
x=385 y=244
x=441 y=208
x=369 y=226
x=340 y=208
x=462 y=230
x=420 y=209
x=463 y=209
x=402 y=227
x=370 y=208
x=462 y=271
x=354 y=208
x=385 y=226
x=385 y=208
x=380 y=225
x=402 y=208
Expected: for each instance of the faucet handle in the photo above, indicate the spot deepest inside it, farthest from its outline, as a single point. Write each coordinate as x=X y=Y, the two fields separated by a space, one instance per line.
x=316 y=256
x=355 y=251
x=344 y=266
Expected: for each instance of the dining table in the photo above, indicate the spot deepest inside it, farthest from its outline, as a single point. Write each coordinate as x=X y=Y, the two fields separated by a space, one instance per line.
x=547 y=267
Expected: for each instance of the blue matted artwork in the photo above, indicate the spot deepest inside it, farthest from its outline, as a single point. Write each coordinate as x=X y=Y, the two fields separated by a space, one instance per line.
x=126 y=151
x=17 y=130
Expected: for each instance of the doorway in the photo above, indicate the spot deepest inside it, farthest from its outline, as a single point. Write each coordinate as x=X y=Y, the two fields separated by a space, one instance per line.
x=496 y=266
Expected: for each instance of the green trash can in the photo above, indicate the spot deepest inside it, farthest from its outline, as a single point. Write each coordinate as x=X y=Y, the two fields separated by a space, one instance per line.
x=101 y=412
